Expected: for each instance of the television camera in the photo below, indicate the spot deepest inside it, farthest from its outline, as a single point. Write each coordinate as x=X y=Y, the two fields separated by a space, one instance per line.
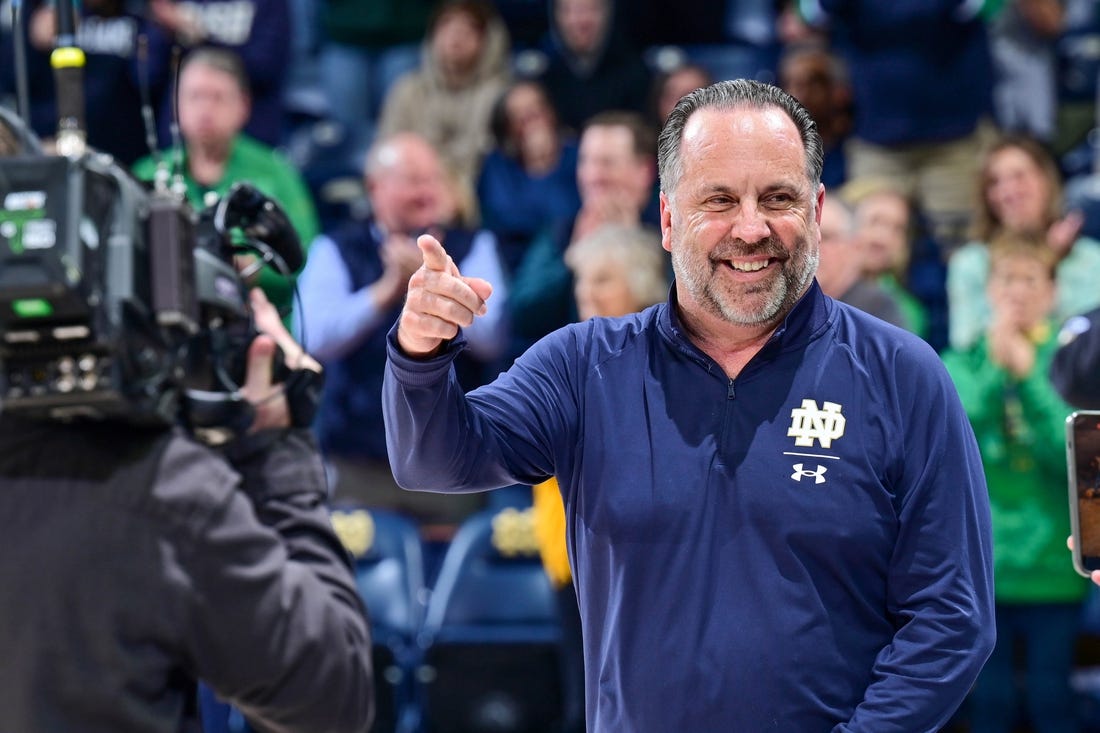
x=121 y=303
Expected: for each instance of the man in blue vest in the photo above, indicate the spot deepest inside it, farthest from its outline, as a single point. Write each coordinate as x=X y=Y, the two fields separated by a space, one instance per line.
x=352 y=290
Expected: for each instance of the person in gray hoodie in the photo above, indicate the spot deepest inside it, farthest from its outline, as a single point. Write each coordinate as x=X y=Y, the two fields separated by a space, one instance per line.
x=449 y=99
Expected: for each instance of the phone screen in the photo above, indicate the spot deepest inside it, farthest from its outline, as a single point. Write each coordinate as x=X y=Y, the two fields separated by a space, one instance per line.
x=1083 y=453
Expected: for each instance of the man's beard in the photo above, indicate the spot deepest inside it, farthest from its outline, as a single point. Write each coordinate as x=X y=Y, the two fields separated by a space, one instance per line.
x=749 y=304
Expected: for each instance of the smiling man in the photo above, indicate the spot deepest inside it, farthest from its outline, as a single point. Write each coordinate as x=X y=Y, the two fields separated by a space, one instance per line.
x=776 y=514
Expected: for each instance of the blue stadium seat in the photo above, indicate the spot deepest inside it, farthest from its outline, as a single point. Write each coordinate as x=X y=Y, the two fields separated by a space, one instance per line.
x=490 y=638
x=389 y=572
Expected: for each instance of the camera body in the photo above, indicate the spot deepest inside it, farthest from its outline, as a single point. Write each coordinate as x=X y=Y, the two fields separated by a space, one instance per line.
x=119 y=303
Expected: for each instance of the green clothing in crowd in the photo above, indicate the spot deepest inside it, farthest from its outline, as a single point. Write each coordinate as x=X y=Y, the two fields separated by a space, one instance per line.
x=272 y=174
x=1020 y=427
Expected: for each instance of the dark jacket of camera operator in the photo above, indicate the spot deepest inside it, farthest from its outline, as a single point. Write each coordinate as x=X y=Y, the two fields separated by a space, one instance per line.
x=133 y=561
x=1075 y=370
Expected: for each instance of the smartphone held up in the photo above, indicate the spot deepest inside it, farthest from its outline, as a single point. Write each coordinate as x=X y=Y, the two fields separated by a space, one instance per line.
x=1083 y=467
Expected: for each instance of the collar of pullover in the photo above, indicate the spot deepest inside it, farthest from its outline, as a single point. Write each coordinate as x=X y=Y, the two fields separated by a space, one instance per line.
x=809 y=316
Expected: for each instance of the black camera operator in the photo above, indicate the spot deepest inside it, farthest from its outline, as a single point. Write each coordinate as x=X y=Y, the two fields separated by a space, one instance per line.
x=1075 y=371
x=133 y=561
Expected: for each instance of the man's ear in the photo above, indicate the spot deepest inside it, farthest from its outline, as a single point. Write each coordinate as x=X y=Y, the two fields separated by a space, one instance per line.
x=666 y=222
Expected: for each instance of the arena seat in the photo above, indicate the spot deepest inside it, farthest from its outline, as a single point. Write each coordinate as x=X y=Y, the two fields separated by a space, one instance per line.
x=490 y=638
x=389 y=573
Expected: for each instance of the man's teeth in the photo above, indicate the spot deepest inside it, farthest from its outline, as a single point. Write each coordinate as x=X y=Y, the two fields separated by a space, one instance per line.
x=753 y=266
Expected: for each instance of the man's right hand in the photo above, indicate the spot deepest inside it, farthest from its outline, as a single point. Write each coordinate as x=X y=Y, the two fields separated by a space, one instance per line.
x=439 y=302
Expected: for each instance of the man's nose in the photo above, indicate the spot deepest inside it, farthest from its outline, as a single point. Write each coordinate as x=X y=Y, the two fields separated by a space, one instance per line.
x=749 y=223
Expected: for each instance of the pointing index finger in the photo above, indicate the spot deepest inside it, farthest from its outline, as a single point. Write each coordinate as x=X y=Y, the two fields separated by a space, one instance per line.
x=435 y=257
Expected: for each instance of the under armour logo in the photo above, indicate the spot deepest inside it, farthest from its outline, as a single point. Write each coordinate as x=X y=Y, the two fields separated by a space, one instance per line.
x=808 y=423
x=799 y=472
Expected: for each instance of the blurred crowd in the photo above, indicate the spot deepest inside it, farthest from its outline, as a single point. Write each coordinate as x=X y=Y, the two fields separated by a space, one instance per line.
x=962 y=170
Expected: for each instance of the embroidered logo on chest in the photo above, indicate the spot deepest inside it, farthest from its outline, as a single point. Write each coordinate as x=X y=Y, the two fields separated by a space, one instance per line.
x=812 y=425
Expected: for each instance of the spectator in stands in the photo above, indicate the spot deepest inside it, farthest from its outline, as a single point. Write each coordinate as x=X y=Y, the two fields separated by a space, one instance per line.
x=108 y=33
x=728 y=579
x=587 y=66
x=618 y=270
x=1020 y=193
x=818 y=79
x=366 y=46
x=1019 y=421
x=921 y=77
x=884 y=223
x=529 y=180
x=669 y=86
x=214 y=107
x=616 y=173
x=352 y=289
x=840 y=271
x=448 y=101
x=257 y=31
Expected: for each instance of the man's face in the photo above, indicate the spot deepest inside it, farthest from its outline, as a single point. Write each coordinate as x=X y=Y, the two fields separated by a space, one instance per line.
x=607 y=166
x=581 y=23
x=406 y=191
x=742 y=221
x=840 y=259
x=212 y=106
x=882 y=226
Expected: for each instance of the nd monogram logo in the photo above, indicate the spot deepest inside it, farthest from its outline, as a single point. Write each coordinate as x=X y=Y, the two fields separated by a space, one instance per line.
x=818 y=474
x=808 y=423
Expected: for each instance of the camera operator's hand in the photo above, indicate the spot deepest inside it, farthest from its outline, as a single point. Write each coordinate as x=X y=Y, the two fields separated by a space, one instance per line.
x=42 y=30
x=269 y=399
